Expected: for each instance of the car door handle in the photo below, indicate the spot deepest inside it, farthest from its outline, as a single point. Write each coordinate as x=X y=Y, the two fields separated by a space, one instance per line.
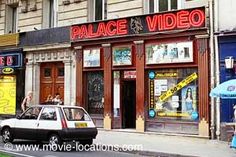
x=37 y=125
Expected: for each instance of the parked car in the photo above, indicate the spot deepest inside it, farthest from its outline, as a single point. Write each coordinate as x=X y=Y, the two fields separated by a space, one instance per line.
x=53 y=123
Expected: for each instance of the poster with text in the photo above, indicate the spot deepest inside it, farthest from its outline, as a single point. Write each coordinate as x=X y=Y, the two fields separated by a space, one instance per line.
x=7 y=95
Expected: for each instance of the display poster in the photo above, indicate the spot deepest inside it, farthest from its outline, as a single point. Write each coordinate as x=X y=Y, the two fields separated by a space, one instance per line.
x=174 y=97
x=188 y=95
x=180 y=52
x=122 y=56
x=91 y=58
x=179 y=86
x=8 y=95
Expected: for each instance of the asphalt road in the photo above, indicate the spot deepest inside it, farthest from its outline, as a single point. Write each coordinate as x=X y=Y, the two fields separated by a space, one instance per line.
x=23 y=148
x=19 y=151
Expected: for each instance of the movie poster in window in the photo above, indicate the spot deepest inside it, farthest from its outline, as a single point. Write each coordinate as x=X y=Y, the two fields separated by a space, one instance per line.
x=122 y=56
x=91 y=58
x=163 y=53
x=189 y=104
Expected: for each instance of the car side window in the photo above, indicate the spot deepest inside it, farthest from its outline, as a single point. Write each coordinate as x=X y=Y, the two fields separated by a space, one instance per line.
x=76 y=114
x=31 y=113
x=48 y=113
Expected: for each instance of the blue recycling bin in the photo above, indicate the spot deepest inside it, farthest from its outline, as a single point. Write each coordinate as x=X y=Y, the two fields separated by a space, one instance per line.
x=233 y=143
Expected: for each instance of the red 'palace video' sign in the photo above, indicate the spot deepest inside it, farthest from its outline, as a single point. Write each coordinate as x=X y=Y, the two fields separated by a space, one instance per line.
x=158 y=22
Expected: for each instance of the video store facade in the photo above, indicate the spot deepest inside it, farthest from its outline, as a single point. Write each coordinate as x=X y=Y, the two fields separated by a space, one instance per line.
x=146 y=72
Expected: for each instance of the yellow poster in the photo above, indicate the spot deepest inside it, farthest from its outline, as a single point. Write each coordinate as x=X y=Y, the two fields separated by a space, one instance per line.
x=179 y=86
x=7 y=95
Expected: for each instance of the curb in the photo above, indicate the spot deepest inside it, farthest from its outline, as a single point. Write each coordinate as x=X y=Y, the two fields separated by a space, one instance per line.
x=154 y=133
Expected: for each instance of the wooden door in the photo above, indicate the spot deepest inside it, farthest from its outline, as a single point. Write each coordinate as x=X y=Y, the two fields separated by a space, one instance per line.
x=51 y=80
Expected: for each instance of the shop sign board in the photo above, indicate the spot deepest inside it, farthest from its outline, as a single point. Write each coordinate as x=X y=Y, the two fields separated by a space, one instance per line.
x=11 y=60
x=185 y=19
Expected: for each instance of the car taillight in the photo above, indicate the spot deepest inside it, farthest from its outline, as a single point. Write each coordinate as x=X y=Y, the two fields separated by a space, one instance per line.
x=63 y=123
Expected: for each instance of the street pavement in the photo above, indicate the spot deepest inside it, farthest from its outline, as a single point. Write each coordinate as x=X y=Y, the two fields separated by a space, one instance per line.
x=129 y=143
x=166 y=144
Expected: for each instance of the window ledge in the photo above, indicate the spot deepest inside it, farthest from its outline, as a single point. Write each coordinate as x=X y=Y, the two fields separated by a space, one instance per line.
x=78 y=1
x=66 y=2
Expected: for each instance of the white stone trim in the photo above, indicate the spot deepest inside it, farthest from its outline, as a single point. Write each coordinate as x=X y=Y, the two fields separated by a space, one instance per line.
x=32 y=78
x=46 y=47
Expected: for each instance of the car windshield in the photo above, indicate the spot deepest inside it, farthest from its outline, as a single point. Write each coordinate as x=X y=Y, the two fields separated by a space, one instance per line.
x=76 y=114
x=31 y=113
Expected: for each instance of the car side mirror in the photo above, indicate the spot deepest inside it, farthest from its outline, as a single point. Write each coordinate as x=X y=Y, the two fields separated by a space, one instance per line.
x=18 y=117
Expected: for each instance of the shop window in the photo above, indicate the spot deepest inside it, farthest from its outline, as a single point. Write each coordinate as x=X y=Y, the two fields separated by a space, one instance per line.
x=173 y=94
x=49 y=13
x=47 y=72
x=116 y=93
x=95 y=90
x=122 y=55
x=98 y=10
x=48 y=114
x=163 y=53
x=61 y=71
x=163 y=5
x=91 y=58
x=11 y=18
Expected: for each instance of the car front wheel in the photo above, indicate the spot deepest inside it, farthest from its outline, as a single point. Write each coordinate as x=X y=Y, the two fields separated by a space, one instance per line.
x=7 y=135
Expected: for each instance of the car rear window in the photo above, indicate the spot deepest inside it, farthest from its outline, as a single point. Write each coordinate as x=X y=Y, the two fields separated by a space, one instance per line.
x=76 y=114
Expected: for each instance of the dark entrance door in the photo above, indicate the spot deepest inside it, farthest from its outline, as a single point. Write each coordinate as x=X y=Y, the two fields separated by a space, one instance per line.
x=128 y=104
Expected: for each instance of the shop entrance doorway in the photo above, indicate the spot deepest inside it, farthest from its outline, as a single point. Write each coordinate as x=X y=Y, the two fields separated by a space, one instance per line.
x=128 y=104
x=51 y=80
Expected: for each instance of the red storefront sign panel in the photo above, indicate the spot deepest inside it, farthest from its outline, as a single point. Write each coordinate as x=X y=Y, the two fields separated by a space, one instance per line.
x=158 y=22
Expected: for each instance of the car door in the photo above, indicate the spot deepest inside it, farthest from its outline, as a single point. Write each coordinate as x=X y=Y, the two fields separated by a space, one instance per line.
x=49 y=121
x=26 y=125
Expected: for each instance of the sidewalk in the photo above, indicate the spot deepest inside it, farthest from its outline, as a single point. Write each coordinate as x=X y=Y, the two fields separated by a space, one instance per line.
x=187 y=146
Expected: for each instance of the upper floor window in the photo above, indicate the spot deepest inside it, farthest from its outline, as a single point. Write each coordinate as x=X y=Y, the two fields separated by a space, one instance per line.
x=50 y=13
x=98 y=10
x=163 y=5
x=11 y=19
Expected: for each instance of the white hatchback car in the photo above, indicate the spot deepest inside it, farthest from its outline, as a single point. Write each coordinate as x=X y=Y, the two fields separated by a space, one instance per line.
x=53 y=123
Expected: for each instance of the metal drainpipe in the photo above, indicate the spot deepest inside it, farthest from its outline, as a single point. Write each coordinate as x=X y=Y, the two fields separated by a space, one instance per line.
x=217 y=83
x=212 y=66
x=217 y=63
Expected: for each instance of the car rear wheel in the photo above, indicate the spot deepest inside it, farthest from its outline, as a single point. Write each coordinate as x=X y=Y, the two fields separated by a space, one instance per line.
x=54 y=139
x=7 y=135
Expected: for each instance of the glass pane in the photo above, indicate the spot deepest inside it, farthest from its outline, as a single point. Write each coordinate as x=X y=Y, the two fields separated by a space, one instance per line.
x=95 y=90
x=48 y=114
x=60 y=71
x=31 y=113
x=163 y=5
x=116 y=94
x=173 y=4
x=105 y=9
x=169 y=53
x=76 y=114
x=51 y=13
x=98 y=9
x=170 y=95
x=47 y=72
x=14 y=16
x=151 y=6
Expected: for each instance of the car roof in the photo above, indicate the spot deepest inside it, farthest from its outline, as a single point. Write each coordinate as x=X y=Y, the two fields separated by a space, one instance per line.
x=63 y=106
